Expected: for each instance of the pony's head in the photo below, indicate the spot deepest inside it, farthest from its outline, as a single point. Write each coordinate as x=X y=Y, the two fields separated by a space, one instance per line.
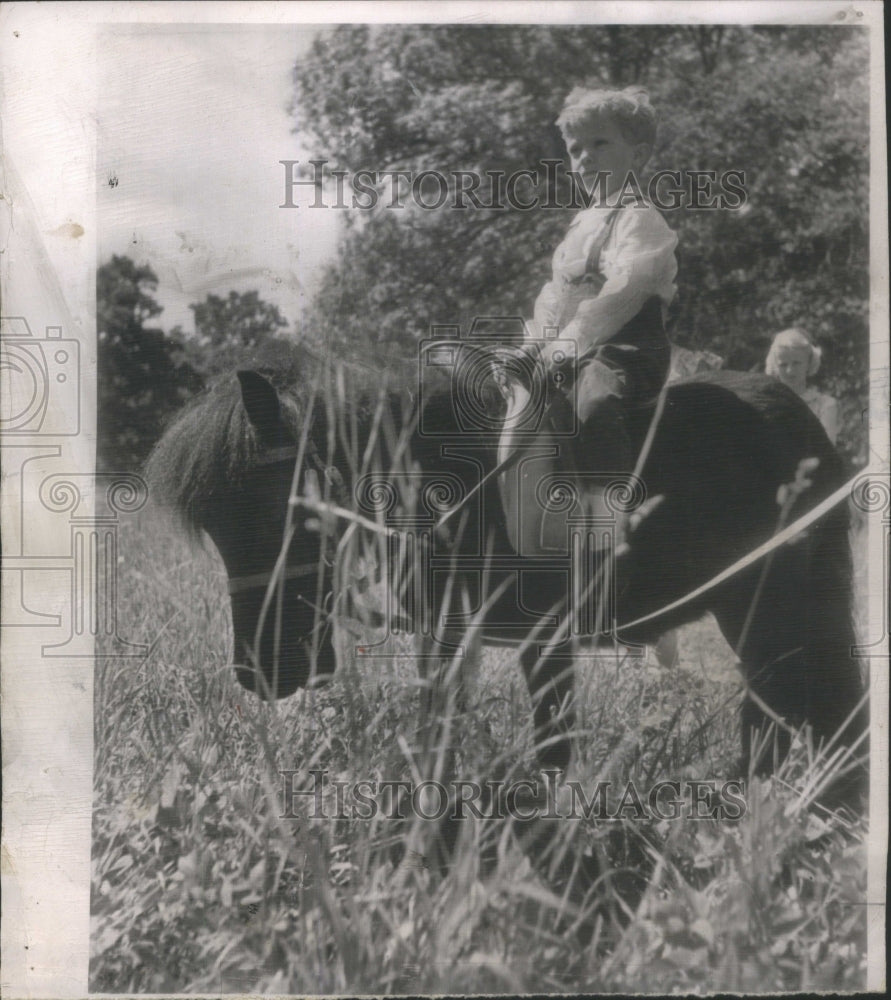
x=227 y=467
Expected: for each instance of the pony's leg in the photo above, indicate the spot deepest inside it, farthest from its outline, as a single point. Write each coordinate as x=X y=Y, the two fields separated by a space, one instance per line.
x=795 y=649
x=469 y=672
x=452 y=682
x=449 y=683
x=551 y=680
x=666 y=649
x=769 y=651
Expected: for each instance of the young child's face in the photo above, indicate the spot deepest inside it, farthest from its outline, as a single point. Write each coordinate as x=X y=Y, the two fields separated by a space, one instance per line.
x=792 y=365
x=598 y=145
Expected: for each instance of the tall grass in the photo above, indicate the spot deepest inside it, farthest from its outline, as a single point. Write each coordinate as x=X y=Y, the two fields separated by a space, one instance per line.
x=201 y=884
x=198 y=885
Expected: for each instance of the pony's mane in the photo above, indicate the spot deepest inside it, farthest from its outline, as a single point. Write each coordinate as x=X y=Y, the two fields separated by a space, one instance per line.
x=211 y=442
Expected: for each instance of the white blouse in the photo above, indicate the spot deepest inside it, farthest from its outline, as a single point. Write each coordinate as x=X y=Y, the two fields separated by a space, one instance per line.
x=635 y=262
x=825 y=409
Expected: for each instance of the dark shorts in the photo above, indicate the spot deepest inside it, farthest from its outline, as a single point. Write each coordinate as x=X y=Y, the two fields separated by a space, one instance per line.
x=623 y=375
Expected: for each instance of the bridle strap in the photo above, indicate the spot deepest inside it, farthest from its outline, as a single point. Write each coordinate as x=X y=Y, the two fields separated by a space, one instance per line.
x=273 y=455
x=239 y=584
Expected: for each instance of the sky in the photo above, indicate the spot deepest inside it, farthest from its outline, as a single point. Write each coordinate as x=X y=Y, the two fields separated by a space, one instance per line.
x=192 y=121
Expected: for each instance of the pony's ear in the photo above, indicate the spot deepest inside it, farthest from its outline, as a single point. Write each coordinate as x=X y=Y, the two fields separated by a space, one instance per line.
x=263 y=407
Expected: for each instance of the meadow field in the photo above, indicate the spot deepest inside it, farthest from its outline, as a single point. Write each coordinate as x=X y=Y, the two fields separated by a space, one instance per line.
x=204 y=882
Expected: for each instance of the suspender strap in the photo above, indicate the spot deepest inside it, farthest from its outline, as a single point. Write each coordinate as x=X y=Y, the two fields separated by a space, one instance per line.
x=592 y=264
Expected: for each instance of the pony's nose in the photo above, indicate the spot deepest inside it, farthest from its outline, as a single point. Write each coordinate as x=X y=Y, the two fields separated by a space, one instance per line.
x=246 y=676
x=286 y=682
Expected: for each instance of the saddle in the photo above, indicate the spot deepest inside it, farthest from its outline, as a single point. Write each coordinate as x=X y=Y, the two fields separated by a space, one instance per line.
x=544 y=483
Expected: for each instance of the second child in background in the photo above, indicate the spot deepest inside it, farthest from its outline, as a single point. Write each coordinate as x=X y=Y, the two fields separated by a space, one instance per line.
x=793 y=358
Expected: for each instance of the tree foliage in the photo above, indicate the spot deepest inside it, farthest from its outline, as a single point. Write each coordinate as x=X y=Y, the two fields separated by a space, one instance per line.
x=143 y=375
x=786 y=105
x=227 y=330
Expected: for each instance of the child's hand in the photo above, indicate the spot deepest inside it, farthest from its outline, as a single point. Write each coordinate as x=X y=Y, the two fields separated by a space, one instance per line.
x=548 y=350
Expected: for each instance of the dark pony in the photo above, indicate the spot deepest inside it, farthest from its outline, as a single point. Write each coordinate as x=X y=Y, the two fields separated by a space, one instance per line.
x=724 y=445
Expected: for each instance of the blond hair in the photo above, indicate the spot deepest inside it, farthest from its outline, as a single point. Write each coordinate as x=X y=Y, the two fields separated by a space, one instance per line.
x=794 y=339
x=630 y=108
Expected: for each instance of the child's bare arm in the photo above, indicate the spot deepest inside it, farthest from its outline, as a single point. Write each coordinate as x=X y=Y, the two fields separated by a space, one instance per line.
x=546 y=310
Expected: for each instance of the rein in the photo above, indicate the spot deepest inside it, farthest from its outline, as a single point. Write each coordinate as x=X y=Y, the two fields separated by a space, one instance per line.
x=508 y=463
x=802 y=524
x=240 y=584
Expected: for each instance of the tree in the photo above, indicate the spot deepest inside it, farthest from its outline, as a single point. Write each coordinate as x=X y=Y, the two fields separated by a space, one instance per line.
x=449 y=98
x=228 y=330
x=143 y=375
x=795 y=118
x=786 y=105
